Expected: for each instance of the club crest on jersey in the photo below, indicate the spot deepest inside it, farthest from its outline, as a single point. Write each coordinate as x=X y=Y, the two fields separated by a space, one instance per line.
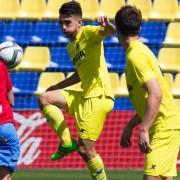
x=80 y=55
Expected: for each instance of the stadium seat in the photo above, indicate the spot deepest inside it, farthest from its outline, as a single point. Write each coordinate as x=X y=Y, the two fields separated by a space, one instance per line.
x=33 y=9
x=19 y=31
x=176 y=89
x=9 y=9
x=89 y=8
x=115 y=83
x=145 y=6
x=35 y=59
x=110 y=7
x=178 y=14
x=172 y=36
x=164 y=11
x=52 y=9
x=115 y=58
x=169 y=59
x=77 y=86
x=48 y=33
x=153 y=33
x=24 y=82
x=169 y=79
x=60 y=60
x=123 y=91
x=48 y=79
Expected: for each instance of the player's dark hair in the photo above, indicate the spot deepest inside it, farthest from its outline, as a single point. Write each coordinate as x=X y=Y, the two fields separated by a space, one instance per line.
x=71 y=8
x=128 y=20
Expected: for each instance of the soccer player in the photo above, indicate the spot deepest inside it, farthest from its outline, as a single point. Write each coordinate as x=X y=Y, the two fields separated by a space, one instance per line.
x=156 y=111
x=9 y=143
x=90 y=106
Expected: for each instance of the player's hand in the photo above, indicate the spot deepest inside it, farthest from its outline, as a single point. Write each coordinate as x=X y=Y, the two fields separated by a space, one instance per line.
x=103 y=20
x=143 y=141
x=125 y=140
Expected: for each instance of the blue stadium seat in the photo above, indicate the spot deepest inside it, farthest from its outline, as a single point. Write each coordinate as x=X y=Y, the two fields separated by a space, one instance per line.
x=24 y=82
x=19 y=31
x=48 y=33
x=115 y=58
x=153 y=33
x=2 y=30
x=122 y=103
x=60 y=60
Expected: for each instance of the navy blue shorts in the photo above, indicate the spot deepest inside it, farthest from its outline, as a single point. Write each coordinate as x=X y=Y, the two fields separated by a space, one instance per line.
x=9 y=146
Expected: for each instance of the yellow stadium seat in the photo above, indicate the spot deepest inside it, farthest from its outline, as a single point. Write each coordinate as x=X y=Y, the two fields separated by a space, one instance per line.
x=176 y=89
x=172 y=36
x=123 y=86
x=115 y=83
x=164 y=10
x=178 y=14
x=169 y=59
x=35 y=58
x=145 y=6
x=32 y=9
x=76 y=87
x=89 y=8
x=48 y=79
x=169 y=79
x=52 y=9
x=9 y=9
x=110 y=7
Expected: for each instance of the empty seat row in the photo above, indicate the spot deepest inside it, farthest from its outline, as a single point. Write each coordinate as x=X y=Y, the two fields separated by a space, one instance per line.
x=39 y=9
x=39 y=58
x=22 y=82
x=49 y=32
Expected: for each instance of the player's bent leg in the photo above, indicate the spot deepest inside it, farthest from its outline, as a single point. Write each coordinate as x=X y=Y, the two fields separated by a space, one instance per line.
x=94 y=162
x=5 y=174
x=50 y=103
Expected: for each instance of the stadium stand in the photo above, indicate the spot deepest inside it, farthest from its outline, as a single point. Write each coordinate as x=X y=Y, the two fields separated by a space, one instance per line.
x=109 y=8
x=9 y=9
x=145 y=6
x=172 y=37
x=169 y=59
x=33 y=9
x=48 y=79
x=33 y=25
x=89 y=8
x=35 y=59
x=164 y=11
x=52 y=9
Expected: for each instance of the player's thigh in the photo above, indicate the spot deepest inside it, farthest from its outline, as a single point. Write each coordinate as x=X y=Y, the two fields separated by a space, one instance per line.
x=54 y=97
x=4 y=173
x=90 y=116
x=162 y=160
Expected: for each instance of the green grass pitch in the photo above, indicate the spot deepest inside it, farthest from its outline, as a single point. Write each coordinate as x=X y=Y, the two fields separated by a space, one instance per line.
x=50 y=174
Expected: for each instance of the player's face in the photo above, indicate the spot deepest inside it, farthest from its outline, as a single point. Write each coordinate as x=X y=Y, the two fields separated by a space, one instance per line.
x=70 y=25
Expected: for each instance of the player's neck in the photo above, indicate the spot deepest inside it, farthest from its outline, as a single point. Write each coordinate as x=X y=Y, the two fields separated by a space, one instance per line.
x=75 y=34
x=128 y=40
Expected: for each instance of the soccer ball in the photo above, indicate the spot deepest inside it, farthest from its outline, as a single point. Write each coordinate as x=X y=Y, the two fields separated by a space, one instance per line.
x=11 y=53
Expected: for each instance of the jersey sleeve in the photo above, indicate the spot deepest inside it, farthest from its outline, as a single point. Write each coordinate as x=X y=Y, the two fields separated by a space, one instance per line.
x=92 y=33
x=142 y=67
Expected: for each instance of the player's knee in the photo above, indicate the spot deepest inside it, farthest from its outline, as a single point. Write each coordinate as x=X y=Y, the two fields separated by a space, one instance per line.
x=43 y=100
x=86 y=153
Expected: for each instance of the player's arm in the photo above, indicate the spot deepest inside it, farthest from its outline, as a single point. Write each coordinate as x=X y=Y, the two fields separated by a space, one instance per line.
x=10 y=96
x=152 y=108
x=107 y=28
x=125 y=140
x=65 y=83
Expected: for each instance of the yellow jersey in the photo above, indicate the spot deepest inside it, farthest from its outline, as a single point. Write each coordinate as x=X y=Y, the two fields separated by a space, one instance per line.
x=87 y=54
x=141 y=66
